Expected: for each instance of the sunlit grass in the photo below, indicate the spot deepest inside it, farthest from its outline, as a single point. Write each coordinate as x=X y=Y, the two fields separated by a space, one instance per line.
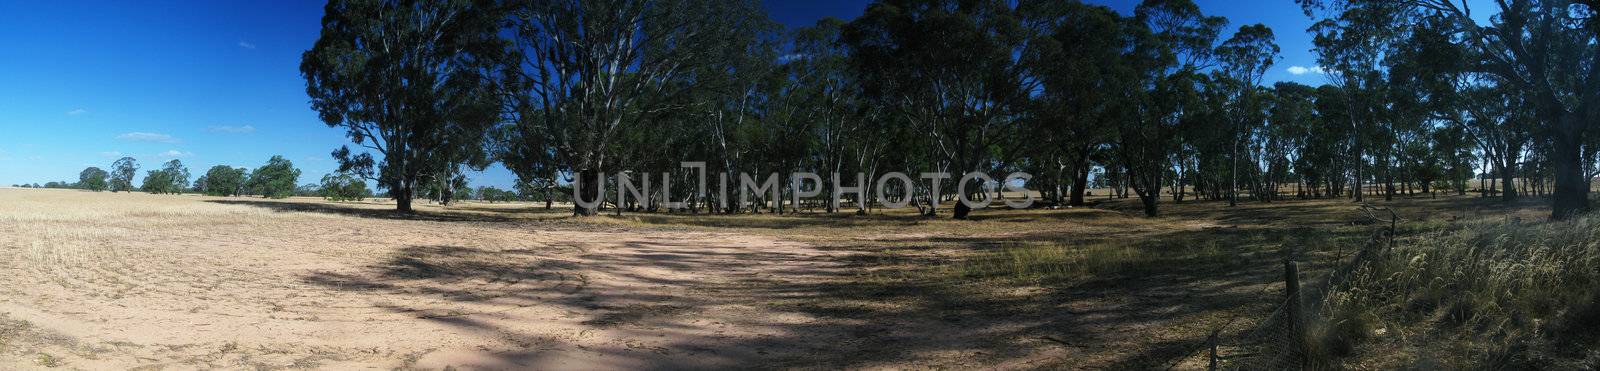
x=1511 y=294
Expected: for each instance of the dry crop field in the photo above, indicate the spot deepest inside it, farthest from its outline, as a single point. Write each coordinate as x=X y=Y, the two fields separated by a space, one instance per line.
x=131 y=280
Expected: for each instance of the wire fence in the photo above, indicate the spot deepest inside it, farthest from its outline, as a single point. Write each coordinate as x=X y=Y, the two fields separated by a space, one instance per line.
x=1280 y=340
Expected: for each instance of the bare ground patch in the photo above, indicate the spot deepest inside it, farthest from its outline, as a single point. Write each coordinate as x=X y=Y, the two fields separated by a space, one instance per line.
x=142 y=281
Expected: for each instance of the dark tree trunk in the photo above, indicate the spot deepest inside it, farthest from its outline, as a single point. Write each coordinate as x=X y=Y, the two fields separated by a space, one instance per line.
x=403 y=201
x=1571 y=189
x=1080 y=185
x=1508 y=180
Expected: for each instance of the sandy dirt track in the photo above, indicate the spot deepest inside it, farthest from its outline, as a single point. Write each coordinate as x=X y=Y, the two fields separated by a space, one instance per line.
x=183 y=282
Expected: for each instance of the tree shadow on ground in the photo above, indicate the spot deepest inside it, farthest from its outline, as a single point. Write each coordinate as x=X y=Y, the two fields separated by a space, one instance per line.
x=367 y=212
x=865 y=307
x=653 y=287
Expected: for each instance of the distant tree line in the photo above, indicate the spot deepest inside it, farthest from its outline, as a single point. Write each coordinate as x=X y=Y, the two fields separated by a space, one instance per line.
x=1163 y=102
x=276 y=179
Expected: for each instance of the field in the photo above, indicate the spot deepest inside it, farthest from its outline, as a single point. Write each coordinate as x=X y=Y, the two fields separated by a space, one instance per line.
x=102 y=280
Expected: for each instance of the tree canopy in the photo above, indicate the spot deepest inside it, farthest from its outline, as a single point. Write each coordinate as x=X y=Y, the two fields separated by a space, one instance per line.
x=276 y=179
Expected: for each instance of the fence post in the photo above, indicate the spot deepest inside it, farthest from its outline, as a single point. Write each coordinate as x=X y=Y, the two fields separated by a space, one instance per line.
x=1295 y=334
x=1212 y=366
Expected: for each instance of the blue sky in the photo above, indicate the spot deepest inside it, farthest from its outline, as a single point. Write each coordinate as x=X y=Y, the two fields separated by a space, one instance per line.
x=217 y=82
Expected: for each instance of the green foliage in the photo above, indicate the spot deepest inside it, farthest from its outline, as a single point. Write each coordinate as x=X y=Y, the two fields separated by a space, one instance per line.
x=586 y=84
x=122 y=173
x=492 y=194
x=413 y=82
x=222 y=180
x=276 y=179
x=308 y=190
x=952 y=68
x=173 y=178
x=447 y=190
x=93 y=179
x=344 y=187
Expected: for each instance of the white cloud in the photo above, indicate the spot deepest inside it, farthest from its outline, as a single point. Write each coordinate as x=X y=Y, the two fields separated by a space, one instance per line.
x=1299 y=70
x=173 y=153
x=148 y=137
x=243 y=129
x=76 y=112
x=246 y=44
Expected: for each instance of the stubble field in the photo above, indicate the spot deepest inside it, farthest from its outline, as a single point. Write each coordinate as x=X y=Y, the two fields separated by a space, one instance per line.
x=102 y=280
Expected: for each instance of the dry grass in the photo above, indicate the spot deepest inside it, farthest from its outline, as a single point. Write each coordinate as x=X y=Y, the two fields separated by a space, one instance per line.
x=240 y=283
x=1481 y=295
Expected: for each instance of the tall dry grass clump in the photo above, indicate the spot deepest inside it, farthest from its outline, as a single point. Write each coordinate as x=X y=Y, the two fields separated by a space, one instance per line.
x=1508 y=294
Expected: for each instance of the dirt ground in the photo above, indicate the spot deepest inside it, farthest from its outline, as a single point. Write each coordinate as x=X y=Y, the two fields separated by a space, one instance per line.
x=136 y=281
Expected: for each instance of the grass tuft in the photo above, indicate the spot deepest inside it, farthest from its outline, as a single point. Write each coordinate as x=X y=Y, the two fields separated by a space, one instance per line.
x=1519 y=294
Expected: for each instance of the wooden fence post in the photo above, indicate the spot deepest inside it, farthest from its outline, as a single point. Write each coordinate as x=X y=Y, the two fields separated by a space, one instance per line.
x=1295 y=334
x=1212 y=366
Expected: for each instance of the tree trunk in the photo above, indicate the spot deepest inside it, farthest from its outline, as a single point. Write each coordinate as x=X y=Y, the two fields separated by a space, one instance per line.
x=1149 y=201
x=1080 y=185
x=1571 y=189
x=1508 y=180
x=402 y=198
x=1233 y=187
x=588 y=189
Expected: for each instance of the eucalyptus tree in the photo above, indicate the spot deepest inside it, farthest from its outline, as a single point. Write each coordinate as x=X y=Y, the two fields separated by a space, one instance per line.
x=1245 y=59
x=1170 y=43
x=1545 y=49
x=1454 y=149
x=522 y=148
x=1076 y=60
x=1350 y=39
x=93 y=179
x=172 y=178
x=748 y=103
x=122 y=172
x=275 y=179
x=1206 y=138
x=825 y=95
x=1291 y=118
x=222 y=180
x=1424 y=88
x=413 y=81
x=590 y=69
x=343 y=187
x=951 y=68
x=1329 y=146
x=1500 y=122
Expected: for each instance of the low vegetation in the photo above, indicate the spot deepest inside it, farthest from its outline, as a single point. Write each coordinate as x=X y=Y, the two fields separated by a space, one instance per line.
x=1485 y=294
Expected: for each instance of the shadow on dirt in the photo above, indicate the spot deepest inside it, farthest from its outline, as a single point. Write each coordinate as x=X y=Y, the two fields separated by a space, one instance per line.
x=863 y=307
x=362 y=212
